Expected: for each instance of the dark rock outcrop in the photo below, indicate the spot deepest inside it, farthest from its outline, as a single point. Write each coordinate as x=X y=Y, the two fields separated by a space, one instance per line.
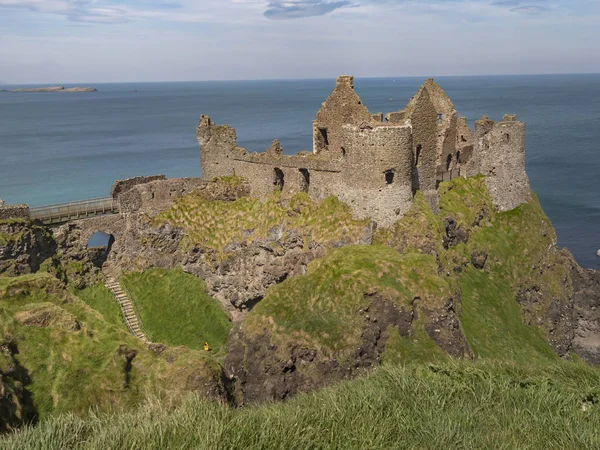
x=24 y=247
x=258 y=370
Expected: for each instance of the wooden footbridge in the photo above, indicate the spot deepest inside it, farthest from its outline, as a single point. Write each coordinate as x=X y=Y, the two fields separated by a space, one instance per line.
x=65 y=212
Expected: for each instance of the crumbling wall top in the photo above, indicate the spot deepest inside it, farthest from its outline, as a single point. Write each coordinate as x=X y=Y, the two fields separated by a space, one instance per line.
x=121 y=186
x=14 y=212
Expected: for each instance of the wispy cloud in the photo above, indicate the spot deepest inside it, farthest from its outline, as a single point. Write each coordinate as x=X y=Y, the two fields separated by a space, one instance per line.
x=95 y=11
x=530 y=7
x=76 y=10
x=294 y=9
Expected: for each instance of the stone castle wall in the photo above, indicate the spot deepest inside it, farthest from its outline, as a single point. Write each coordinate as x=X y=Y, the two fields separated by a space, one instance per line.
x=376 y=166
x=14 y=212
x=121 y=186
x=502 y=161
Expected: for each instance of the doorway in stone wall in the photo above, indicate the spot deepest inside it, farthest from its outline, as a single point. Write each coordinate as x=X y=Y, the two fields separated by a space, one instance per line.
x=278 y=180
x=304 y=180
x=98 y=247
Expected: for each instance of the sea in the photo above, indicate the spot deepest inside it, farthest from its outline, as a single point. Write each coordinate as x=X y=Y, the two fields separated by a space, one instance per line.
x=60 y=147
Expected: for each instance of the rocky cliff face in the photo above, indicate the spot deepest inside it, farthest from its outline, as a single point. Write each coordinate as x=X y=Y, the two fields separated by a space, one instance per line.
x=16 y=402
x=23 y=247
x=238 y=245
x=318 y=296
x=468 y=282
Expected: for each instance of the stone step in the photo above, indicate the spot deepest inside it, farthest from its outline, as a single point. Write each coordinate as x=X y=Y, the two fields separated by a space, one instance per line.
x=126 y=308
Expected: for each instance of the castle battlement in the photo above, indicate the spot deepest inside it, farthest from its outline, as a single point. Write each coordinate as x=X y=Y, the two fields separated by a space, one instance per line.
x=374 y=162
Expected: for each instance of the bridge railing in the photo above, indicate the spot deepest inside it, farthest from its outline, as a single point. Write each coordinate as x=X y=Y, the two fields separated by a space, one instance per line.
x=74 y=210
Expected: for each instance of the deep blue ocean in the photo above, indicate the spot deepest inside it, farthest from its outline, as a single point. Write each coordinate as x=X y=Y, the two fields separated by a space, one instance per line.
x=58 y=147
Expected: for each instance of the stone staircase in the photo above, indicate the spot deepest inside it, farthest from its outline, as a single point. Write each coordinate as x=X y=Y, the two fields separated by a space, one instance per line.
x=131 y=318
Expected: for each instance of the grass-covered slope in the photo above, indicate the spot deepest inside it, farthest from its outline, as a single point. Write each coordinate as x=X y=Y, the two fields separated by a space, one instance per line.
x=98 y=297
x=71 y=359
x=492 y=257
x=321 y=310
x=451 y=405
x=176 y=309
x=215 y=224
x=451 y=281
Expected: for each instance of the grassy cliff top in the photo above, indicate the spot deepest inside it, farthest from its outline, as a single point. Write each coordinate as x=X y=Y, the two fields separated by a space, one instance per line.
x=430 y=258
x=450 y=405
x=215 y=224
x=71 y=359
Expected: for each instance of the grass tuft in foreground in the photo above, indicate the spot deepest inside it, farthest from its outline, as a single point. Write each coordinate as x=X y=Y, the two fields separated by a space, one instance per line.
x=448 y=405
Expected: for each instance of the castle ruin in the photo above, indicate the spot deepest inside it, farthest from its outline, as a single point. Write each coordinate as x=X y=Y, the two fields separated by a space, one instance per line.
x=374 y=163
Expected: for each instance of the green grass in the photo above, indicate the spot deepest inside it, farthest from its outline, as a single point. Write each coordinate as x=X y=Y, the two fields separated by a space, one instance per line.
x=176 y=309
x=74 y=358
x=451 y=405
x=516 y=242
x=321 y=309
x=215 y=224
x=100 y=298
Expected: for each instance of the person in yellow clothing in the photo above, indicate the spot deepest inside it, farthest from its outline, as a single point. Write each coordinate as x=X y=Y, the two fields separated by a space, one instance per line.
x=206 y=347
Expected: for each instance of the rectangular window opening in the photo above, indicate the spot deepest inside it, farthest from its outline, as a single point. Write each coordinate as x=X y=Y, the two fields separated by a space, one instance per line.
x=304 y=180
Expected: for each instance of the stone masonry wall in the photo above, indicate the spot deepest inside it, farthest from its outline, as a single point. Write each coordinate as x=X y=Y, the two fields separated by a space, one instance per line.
x=502 y=161
x=158 y=194
x=343 y=106
x=122 y=186
x=375 y=166
x=423 y=117
x=377 y=173
x=14 y=212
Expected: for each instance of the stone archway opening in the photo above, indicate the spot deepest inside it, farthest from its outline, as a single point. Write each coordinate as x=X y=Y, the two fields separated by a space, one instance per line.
x=278 y=179
x=99 y=246
x=304 y=180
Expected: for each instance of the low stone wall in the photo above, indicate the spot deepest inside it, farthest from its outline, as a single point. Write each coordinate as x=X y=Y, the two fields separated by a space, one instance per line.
x=158 y=195
x=121 y=186
x=14 y=212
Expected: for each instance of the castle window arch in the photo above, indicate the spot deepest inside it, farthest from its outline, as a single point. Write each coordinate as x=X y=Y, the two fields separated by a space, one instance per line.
x=458 y=157
x=440 y=119
x=322 y=139
x=304 y=180
x=389 y=176
x=278 y=179
x=418 y=155
x=449 y=161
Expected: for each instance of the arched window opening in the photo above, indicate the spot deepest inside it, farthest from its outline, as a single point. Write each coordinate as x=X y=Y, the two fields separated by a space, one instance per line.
x=304 y=180
x=278 y=178
x=418 y=155
x=458 y=157
x=389 y=176
x=440 y=119
x=322 y=140
x=448 y=161
x=98 y=246
x=507 y=137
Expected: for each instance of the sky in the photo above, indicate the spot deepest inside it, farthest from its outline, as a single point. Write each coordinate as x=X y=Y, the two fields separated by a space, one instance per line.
x=85 y=41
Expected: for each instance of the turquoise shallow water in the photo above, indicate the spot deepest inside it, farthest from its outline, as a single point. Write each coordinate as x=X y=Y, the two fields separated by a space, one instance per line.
x=57 y=147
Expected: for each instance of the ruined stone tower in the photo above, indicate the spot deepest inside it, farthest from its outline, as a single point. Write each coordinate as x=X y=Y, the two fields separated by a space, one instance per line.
x=500 y=156
x=376 y=165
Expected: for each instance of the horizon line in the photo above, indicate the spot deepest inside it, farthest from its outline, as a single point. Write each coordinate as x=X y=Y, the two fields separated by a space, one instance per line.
x=2 y=83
